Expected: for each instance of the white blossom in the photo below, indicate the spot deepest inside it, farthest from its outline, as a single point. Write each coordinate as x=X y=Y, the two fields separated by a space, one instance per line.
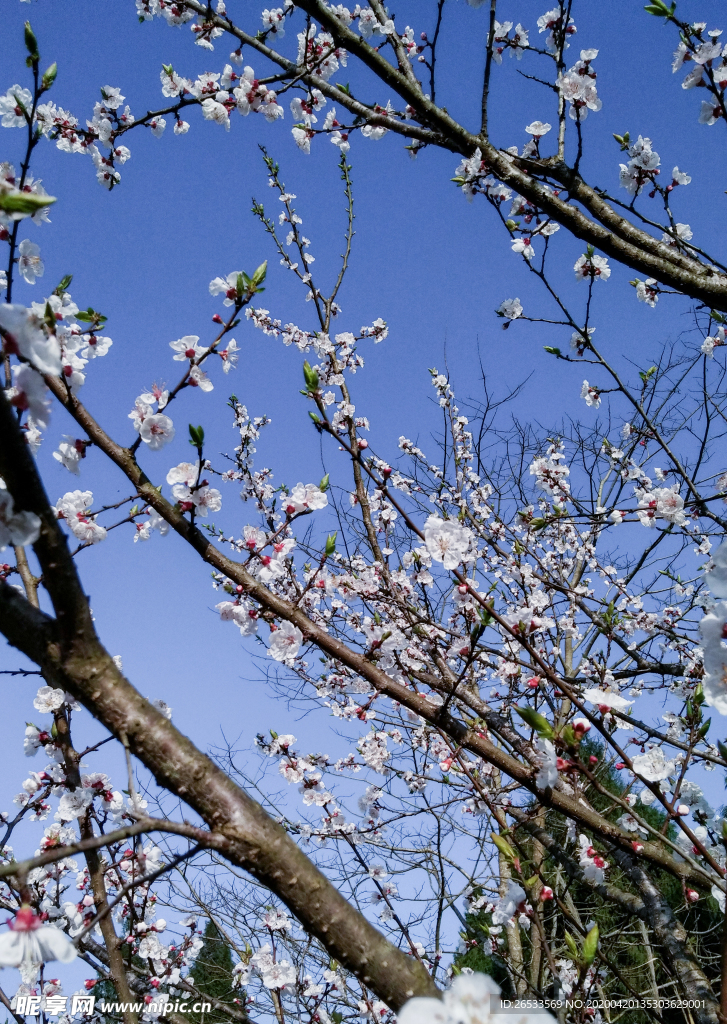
x=285 y=643
x=653 y=765
x=470 y=1000
x=29 y=941
x=447 y=541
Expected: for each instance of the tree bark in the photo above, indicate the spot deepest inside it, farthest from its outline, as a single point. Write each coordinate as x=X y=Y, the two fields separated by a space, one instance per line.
x=70 y=655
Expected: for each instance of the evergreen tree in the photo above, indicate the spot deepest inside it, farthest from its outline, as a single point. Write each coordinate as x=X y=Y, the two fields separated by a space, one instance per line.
x=628 y=946
x=212 y=972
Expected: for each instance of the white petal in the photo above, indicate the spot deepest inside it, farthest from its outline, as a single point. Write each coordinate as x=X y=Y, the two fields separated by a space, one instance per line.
x=12 y=948
x=55 y=945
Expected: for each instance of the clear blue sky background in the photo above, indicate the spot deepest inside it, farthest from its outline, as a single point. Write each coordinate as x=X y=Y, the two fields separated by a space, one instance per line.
x=434 y=266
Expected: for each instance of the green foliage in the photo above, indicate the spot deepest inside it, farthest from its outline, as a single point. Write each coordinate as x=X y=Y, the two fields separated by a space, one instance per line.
x=49 y=76
x=91 y=316
x=31 y=44
x=196 y=437
x=660 y=10
x=212 y=972
x=622 y=940
x=536 y=722
x=311 y=377
x=24 y=204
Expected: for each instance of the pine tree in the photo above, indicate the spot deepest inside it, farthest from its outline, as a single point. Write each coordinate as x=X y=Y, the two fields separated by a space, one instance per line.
x=212 y=972
x=623 y=940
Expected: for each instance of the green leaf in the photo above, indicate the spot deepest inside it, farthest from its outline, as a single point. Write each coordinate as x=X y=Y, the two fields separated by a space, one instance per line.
x=49 y=76
x=325 y=483
x=659 y=9
x=23 y=204
x=31 y=43
x=645 y=377
x=623 y=140
x=311 y=376
x=704 y=729
x=571 y=944
x=722 y=749
x=90 y=316
x=568 y=737
x=259 y=276
x=590 y=945
x=485 y=617
x=21 y=106
x=551 y=350
x=196 y=435
x=504 y=847
x=536 y=722
x=331 y=544
x=63 y=285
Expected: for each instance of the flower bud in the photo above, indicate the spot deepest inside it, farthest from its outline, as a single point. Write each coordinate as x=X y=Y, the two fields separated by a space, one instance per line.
x=49 y=76
x=31 y=43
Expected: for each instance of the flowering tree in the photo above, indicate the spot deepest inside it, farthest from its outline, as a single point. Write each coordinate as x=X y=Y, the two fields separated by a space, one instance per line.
x=501 y=625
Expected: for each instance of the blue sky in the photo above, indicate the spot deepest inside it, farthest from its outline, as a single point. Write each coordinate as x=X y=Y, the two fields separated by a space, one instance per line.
x=431 y=264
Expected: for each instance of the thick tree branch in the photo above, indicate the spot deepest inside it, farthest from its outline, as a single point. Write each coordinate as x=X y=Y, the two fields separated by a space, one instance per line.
x=610 y=232
x=674 y=939
x=72 y=656
x=467 y=737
